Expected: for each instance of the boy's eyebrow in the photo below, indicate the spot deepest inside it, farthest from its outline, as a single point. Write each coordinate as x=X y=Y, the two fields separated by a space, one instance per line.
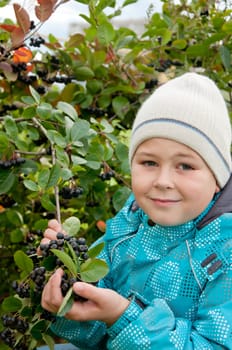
x=151 y=154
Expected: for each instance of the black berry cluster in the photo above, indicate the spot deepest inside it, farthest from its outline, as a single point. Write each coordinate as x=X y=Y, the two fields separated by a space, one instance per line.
x=22 y=289
x=39 y=278
x=107 y=175
x=80 y=248
x=36 y=42
x=14 y=324
x=8 y=337
x=5 y=164
x=78 y=245
x=8 y=107
x=61 y=79
x=71 y=192
x=66 y=284
x=151 y=84
x=19 y=67
x=27 y=79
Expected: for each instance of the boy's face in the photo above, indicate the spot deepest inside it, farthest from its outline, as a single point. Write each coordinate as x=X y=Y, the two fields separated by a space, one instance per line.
x=171 y=182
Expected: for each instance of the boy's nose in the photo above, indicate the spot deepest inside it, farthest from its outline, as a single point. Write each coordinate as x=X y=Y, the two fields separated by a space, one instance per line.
x=163 y=178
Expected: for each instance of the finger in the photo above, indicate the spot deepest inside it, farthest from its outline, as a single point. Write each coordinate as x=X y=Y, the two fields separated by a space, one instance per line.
x=52 y=296
x=50 y=233
x=44 y=241
x=87 y=291
x=55 y=225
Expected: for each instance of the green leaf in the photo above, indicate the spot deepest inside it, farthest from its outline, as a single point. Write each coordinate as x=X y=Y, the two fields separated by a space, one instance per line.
x=106 y=33
x=107 y=127
x=35 y=94
x=29 y=112
x=120 y=105
x=7 y=180
x=84 y=73
x=197 y=50
x=71 y=225
x=54 y=176
x=225 y=57
x=31 y=185
x=43 y=178
x=44 y=110
x=227 y=27
x=93 y=164
x=95 y=151
x=16 y=236
x=47 y=203
x=128 y=2
x=121 y=151
x=56 y=137
x=66 y=260
x=38 y=328
x=15 y=217
x=23 y=261
x=11 y=127
x=78 y=160
x=94 y=251
x=94 y=86
x=66 y=304
x=79 y=130
x=33 y=344
x=49 y=341
x=11 y=304
x=68 y=109
x=4 y=142
x=28 y=100
x=92 y=270
x=73 y=255
x=179 y=44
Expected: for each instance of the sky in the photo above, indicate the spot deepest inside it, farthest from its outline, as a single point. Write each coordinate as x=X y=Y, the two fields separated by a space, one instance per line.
x=58 y=23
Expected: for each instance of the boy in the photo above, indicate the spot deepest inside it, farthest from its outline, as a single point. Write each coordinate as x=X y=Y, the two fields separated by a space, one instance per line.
x=169 y=248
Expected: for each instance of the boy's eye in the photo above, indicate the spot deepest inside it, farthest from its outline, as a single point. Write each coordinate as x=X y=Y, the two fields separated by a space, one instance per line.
x=185 y=166
x=149 y=163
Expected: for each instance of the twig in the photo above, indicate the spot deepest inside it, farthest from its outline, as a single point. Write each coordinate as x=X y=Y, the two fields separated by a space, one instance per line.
x=56 y=188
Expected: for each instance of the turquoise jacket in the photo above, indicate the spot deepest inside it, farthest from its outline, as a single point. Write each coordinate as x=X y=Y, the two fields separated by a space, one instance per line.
x=179 y=281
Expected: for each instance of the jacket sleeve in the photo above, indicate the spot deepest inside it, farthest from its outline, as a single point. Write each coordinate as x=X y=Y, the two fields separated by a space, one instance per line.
x=156 y=327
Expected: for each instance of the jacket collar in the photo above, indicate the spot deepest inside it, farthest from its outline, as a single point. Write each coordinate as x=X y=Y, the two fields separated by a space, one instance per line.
x=223 y=204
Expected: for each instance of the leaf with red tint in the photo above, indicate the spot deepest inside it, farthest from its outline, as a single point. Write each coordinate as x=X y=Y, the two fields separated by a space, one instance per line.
x=22 y=17
x=8 y=27
x=17 y=37
x=22 y=55
x=44 y=10
x=7 y=69
x=101 y=225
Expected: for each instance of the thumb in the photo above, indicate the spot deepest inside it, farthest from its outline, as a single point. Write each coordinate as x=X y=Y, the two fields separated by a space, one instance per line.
x=87 y=291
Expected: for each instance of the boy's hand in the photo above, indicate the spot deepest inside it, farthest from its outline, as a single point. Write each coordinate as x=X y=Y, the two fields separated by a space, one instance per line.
x=103 y=304
x=50 y=233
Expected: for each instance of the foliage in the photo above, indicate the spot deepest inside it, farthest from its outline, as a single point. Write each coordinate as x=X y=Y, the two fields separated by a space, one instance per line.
x=66 y=110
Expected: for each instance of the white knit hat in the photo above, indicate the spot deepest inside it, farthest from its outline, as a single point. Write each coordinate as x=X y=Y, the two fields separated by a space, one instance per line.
x=191 y=110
